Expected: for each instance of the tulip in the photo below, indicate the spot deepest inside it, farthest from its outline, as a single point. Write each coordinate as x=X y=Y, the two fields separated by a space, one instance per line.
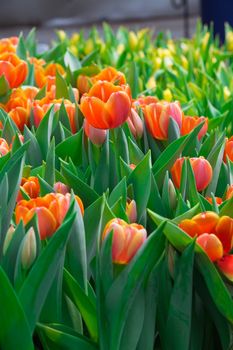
x=226 y=266
x=135 y=124
x=50 y=210
x=106 y=106
x=217 y=199
x=131 y=210
x=8 y=238
x=97 y=136
x=189 y=123
x=211 y=245
x=59 y=187
x=31 y=186
x=127 y=239
x=13 y=68
x=229 y=193
x=144 y=101
x=109 y=74
x=40 y=108
x=8 y=44
x=202 y=171
x=214 y=234
x=4 y=147
x=28 y=254
x=228 y=152
x=47 y=75
x=157 y=117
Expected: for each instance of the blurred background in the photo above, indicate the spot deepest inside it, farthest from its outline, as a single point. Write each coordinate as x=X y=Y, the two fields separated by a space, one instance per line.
x=178 y=16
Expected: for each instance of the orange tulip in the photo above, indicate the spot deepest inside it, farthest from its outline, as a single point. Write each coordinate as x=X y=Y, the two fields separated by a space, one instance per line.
x=211 y=245
x=189 y=123
x=109 y=74
x=4 y=147
x=143 y=101
x=201 y=168
x=97 y=136
x=40 y=107
x=214 y=233
x=8 y=44
x=13 y=68
x=228 y=152
x=131 y=210
x=47 y=75
x=217 y=199
x=157 y=117
x=226 y=266
x=50 y=210
x=106 y=106
x=31 y=186
x=127 y=239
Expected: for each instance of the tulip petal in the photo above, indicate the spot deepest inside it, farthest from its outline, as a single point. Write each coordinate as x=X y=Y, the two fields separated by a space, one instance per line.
x=226 y=266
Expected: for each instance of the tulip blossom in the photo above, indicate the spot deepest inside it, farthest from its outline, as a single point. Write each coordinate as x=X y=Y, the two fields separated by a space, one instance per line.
x=106 y=106
x=157 y=118
x=143 y=101
x=127 y=239
x=97 y=136
x=202 y=171
x=40 y=108
x=135 y=124
x=229 y=193
x=31 y=186
x=217 y=199
x=228 y=152
x=50 y=210
x=131 y=210
x=8 y=44
x=189 y=123
x=13 y=69
x=109 y=74
x=47 y=74
x=215 y=235
x=4 y=147
x=59 y=187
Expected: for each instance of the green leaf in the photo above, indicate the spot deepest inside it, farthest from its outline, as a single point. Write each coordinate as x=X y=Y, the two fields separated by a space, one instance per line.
x=122 y=293
x=49 y=175
x=140 y=178
x=4 y=86
x=71 y=61
x=57 y=339
x=21 y=48
x=132 y=78
x=61 y=87
x=70 y=148
x=39 y=280
x=180 y=308
x=14 y=329
x=44 y=132
x=83 y=303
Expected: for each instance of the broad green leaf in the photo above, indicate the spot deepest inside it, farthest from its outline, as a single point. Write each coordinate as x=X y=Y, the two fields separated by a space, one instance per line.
x=14 y=328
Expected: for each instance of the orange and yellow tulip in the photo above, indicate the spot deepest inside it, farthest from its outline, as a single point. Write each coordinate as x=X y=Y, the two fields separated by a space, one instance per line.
x=4 y=147
x=157 y=117
x=47 y=75
x=202 y=171
x=229 y=193
x=50 y=210
x=8 y=44
x=109 y=74
x=13 y=68
x=189 y=123
x=127 y=239
x=106 y=106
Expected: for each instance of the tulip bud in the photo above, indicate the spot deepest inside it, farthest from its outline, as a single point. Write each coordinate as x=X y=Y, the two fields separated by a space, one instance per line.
x=229 y=193
x=133 y=40
x=172 y=194
x=131 y=210
x=28 y=254
x=127 y=239
x=97 y=136
x=59 y=187
x=226 y=93
x=135 y=124
x=167 y=95
x=8 y=238
x=228 y=152
x=132 y=166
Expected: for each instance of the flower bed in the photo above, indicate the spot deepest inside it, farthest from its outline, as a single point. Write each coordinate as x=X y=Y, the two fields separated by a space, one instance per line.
x=116 y=192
